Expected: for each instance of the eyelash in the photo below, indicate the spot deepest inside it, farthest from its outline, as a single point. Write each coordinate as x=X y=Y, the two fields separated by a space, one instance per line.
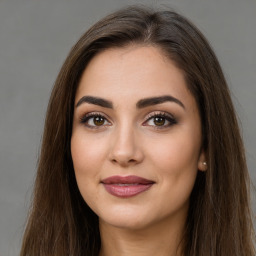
x=166 y=116
x=84 y=119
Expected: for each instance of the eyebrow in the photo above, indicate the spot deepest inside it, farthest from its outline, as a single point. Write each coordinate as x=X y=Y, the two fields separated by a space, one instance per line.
x=140 y=104
x=158 y=100
x=96 y=101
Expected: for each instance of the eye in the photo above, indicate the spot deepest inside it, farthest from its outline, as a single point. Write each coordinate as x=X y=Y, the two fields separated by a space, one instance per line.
x=94 y=120
x=160 y=120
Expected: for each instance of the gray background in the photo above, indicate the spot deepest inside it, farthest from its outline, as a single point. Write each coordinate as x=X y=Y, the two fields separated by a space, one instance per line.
x=35 y=38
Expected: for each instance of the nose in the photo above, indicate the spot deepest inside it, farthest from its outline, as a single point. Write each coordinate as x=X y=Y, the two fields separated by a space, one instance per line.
x=126 y=148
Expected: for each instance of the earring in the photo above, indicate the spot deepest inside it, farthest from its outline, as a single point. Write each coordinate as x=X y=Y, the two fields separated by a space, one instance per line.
x=204 y=163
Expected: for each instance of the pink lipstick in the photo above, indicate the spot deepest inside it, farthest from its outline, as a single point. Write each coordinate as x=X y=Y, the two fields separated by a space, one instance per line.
x=127 y=186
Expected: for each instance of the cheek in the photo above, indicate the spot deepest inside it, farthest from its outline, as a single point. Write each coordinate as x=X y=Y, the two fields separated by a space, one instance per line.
x=175 y=161
x=87 y=153
x=85 y=156
x=175 y=158
x=176 y=152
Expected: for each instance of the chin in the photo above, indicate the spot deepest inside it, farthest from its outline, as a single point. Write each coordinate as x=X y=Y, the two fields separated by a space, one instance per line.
x=127 y=224
x=126 y=219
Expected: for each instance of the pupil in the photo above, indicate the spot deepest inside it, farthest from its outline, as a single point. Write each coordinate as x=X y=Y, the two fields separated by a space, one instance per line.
x=159 y=121
x=98 y=120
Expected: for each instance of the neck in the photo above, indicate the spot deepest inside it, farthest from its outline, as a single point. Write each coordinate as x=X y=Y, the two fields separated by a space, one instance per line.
x=162 y=239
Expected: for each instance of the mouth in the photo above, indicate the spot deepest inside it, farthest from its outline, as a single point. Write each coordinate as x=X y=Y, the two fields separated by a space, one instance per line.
x=127 y=186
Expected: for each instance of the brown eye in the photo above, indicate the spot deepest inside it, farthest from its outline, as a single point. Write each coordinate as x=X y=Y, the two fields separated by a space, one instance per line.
x=159 y=121
x=94 y=120
x=98 y=120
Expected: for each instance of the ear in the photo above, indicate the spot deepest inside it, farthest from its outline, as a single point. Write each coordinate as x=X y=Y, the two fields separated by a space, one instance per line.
x=202 y=163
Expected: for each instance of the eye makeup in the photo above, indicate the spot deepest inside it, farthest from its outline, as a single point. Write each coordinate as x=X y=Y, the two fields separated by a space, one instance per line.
x=155 y=119
x=94 y=120
x=159 y=120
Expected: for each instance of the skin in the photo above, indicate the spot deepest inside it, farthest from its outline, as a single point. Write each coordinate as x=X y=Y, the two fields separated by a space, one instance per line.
x=131 y=142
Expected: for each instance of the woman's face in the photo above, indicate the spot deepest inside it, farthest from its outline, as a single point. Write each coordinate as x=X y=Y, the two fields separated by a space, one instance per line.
x=136 y=140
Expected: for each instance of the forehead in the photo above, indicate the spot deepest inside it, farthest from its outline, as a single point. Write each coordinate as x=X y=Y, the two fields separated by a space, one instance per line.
x=132 y=73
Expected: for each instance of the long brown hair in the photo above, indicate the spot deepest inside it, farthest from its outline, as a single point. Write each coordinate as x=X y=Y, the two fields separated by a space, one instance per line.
x=219 y=220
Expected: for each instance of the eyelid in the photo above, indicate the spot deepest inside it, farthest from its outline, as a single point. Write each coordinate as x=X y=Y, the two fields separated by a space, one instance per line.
x=159 y=113
x=169 y=117
x=85 y=117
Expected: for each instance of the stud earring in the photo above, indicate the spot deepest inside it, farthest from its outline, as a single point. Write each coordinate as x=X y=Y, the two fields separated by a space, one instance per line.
x=204 y=163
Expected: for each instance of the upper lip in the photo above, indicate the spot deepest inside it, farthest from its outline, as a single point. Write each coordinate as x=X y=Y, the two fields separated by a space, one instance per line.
x=126 y=180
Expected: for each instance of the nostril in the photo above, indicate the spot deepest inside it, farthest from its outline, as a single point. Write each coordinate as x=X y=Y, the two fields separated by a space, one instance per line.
x=125 y=152
x=124 y=161
x=132 y=161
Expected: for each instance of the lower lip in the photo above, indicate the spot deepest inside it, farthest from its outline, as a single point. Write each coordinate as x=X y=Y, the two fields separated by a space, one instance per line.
x=126 y=190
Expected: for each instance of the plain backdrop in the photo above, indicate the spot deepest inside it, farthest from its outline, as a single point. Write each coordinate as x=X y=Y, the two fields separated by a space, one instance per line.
x=35 y=38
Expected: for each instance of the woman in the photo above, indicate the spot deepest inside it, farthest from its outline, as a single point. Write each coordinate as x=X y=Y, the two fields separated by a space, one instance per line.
x=141 y=153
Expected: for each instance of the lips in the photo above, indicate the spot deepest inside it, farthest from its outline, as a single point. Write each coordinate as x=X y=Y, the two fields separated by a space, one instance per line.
x=127 y=186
